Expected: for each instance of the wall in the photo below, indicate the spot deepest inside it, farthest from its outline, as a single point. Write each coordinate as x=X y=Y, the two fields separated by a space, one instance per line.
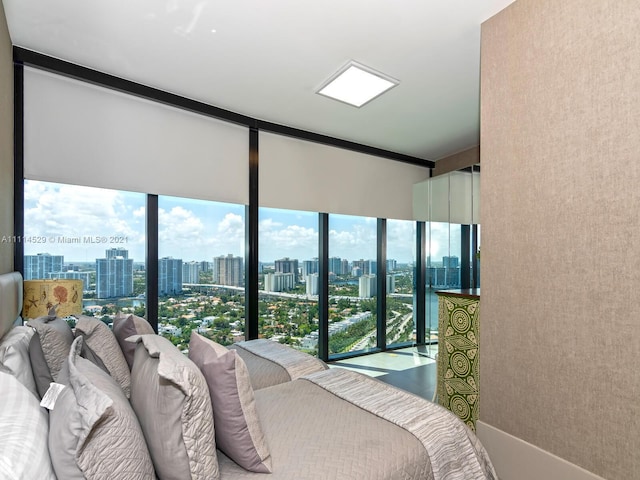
x=560 y=193
x=457 y=161
x=6 y=145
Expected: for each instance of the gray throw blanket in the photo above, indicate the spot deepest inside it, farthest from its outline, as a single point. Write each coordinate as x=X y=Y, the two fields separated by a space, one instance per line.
x=454 y=450
x=296 y=363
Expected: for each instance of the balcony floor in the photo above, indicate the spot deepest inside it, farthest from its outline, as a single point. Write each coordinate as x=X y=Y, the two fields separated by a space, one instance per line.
x=410 y=368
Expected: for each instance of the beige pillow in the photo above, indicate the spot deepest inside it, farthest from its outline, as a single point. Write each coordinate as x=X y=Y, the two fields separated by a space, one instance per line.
x=48 y=349
x=171 y=399
x=102 y=347
x=93 y=431
x=238 y=431
x=14 y=355
x=124 y=326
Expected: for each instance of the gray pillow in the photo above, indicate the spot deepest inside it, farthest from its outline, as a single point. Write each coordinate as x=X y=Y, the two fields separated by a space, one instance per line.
x=93 y=431
x=23 y=433
x=48 y=349
x=102 y=348
x=124 y=326
x=171 y=399
x=14 y=355
x=238 y=431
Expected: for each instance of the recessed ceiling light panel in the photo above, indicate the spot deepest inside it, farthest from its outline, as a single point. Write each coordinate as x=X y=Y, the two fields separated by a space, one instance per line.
x=356 y=84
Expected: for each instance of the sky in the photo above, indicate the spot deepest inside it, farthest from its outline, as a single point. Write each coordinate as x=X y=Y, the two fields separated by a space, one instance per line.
x=82 y=222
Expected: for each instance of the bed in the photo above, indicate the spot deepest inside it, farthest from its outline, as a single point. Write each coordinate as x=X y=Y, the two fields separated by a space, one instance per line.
x=271 y=363
x=303 y=421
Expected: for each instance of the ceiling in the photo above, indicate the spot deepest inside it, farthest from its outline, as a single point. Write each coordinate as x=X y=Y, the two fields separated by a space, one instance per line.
x=266 y=59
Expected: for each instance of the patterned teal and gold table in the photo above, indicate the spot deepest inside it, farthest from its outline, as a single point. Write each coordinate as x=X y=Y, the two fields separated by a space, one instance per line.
x=458 y=369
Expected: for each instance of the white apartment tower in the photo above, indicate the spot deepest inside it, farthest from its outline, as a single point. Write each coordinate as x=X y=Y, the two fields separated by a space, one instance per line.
x=367 y=286
x=114 y=274
x=169 y=276
x=228 y=270
x=41 y=265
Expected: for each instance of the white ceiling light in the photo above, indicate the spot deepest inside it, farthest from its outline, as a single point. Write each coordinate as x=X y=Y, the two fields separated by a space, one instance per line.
x=356 y=84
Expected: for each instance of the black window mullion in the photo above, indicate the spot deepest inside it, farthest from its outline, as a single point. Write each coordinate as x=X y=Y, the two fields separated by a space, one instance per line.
x=152 y=261
x=474 y=258
x=381 y=276
x=419 y=310
x=251 y=241
x=323 y=287
x=465 y=261
x=18 y=167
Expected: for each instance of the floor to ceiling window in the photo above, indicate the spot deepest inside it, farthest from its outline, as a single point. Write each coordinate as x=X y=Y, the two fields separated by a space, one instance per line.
x=95 y=235
x=99 y=235
x=443 y=269
x=201 y=283
x=400 y=320
x=352 y=284
x=288 y=277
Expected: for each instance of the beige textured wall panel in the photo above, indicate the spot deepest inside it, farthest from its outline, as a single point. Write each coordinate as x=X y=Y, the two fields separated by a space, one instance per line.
x=6 y=145
x=560 y=193
x=457 y=161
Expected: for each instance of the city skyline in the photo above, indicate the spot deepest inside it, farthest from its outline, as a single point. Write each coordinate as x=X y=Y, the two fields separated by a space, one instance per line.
x=81 y=222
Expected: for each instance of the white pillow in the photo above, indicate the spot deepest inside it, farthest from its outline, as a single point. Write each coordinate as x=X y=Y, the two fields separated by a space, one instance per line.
x=24 y=429
x=14 y=355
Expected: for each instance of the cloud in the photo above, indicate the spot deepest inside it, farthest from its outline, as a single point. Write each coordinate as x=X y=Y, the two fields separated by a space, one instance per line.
x=189 y=236
x=179 y=231
x=55 y=212
x=178 y=224
x=232 y=225
x=354 y=244
x=140 y=212
x=203 y=230
x=293 y=241
x=401 y=240
x=269 y=224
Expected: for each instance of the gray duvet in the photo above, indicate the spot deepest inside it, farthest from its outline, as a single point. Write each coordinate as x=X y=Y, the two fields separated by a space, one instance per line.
x=323 y=426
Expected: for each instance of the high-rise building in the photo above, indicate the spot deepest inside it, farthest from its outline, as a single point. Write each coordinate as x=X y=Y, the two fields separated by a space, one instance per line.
x=191 y=272
x=367 y=267
x=287 y=265
x=40 y=265
x=373 y=267
x=309 y=267
x=391 y=284
x=117 y=252
x=450 y=262
x=169 y=276
x=391 y=265
x=313 y=284
x=443 y=277
x=228 y=270
x=114 y=274
x=279 y=282
x=336 y=266
x=367 y=286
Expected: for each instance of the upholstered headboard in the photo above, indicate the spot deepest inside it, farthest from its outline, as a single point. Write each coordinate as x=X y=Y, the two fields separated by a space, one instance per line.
x=10 y=300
